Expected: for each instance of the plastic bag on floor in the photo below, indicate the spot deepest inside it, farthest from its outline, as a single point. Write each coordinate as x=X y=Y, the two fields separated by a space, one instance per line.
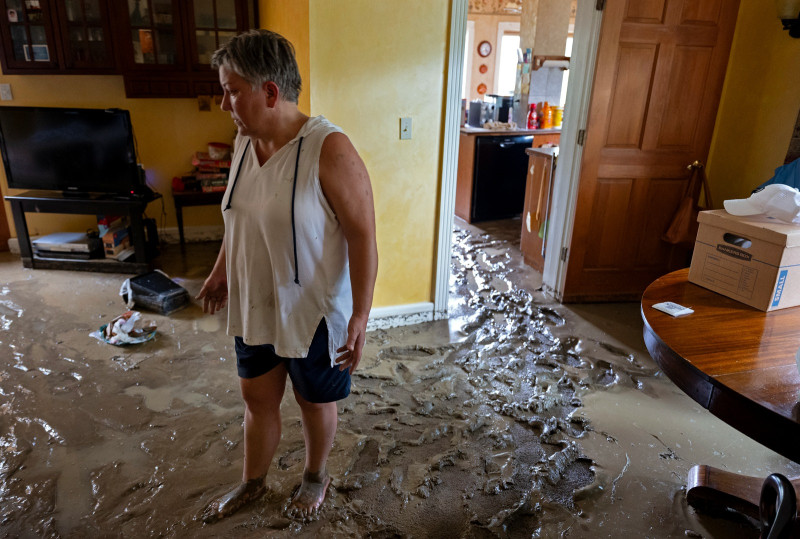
x=127 y=328
x=154 y=291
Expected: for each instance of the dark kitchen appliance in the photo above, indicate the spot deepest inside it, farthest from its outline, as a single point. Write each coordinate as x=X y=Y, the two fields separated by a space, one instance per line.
x=503 y=105
x=475 y=114
x=498 y=190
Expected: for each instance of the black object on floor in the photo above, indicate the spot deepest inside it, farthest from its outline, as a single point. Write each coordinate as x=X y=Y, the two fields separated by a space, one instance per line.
x=157 y=292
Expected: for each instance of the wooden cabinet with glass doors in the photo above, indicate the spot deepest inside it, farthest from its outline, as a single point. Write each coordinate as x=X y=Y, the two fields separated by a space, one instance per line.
x=162 y=48
x=56 y=36
x=168 y=45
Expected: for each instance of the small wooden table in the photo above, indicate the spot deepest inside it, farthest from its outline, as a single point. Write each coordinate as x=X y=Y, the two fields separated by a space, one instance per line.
x=193 y=198
x=738 y=363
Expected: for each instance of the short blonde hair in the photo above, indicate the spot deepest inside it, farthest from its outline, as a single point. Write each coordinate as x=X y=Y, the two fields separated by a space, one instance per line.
x=259 y=56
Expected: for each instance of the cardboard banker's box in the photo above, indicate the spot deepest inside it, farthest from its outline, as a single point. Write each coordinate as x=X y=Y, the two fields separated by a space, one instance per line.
x=754 y=259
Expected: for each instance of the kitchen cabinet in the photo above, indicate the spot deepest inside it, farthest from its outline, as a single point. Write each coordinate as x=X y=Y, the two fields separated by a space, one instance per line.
x=162 y=48
x=536 y=211
x=56 y=36
x=491 y=184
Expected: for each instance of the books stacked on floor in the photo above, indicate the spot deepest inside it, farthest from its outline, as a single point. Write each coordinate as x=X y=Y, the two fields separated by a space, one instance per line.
x=68 y=245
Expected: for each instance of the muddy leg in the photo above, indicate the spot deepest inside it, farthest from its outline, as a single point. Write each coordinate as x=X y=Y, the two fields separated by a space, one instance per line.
x=262 y=431
x=319 y=429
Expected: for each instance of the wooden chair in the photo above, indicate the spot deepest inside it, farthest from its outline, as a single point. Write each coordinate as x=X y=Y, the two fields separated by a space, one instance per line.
x=774 y=501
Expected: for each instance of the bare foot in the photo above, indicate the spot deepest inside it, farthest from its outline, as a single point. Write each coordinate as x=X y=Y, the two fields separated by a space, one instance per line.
x=310 y=495
x=226 y=505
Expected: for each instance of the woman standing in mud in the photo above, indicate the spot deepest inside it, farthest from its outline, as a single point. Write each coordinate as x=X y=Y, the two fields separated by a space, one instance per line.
x=297 y=265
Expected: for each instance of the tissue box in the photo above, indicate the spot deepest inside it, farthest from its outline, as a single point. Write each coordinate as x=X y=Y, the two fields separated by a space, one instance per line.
x=753 y=259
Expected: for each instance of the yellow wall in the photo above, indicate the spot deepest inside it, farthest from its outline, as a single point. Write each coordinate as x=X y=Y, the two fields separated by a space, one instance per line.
x=373 y=62
x=167 y=131
x=290 y=19
x=759 y=105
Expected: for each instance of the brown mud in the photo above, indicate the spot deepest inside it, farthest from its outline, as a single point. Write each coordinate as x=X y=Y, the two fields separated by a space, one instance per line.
x=518 y=417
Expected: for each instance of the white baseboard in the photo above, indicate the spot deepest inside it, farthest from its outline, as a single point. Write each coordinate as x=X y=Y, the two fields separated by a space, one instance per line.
x=400 y=315
x=191 y=234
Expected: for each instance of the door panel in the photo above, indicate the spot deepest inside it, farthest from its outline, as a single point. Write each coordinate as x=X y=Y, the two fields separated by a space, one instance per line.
x=658 y=77
x=684 y=98
x=629 y=104
x=645 y=11
x=653 y=254
x=613 y=197
x=702 y=12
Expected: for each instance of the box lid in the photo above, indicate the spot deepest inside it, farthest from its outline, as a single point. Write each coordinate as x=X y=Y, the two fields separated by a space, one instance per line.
x=754 y=227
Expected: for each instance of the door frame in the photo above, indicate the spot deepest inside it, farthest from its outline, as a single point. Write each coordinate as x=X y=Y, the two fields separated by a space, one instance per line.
x=583 y=59
x=452 y=129
x=565 y=193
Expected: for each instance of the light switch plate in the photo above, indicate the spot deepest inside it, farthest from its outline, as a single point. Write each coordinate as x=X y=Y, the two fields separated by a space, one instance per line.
x=5 y=92
x=405 y=128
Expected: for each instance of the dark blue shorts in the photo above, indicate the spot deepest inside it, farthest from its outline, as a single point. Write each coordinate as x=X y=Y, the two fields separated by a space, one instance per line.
x=312 y=376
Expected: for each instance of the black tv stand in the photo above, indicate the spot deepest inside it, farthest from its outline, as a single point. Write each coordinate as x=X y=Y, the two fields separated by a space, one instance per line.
x=76 y=194
x=91 y=204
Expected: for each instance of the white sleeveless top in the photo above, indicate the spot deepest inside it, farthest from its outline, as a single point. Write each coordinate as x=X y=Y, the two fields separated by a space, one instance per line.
x=265 y=305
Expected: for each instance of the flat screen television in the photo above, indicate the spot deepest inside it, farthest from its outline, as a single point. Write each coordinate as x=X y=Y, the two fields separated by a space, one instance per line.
x=73 y=150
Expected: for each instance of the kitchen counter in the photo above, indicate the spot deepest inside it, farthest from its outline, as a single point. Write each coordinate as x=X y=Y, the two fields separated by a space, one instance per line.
x=490 y=180
x=467 y=130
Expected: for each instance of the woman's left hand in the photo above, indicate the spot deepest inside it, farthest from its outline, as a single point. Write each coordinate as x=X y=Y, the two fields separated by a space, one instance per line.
x=351 y=352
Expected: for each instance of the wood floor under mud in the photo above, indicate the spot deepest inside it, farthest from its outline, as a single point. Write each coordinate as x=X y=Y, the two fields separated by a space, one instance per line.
x=517 y=417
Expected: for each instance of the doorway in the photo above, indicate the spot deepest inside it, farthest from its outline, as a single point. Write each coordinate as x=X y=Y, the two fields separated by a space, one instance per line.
x=497 y=62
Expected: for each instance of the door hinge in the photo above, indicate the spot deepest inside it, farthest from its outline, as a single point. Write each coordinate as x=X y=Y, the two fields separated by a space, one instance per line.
x=581 y=136
x=564 y=251
x=600 y=5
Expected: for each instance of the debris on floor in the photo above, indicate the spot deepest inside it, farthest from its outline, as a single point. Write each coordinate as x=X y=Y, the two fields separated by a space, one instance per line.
x=154 y=291
x=127 y=328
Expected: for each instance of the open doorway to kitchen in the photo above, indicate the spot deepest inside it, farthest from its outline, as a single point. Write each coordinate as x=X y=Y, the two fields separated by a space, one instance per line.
x=516 y=54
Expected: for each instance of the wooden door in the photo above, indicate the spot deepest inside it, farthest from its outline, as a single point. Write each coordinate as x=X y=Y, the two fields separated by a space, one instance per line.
x=658 y=77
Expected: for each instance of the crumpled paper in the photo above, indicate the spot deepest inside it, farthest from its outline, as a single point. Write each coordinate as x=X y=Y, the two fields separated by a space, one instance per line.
x=126 y=329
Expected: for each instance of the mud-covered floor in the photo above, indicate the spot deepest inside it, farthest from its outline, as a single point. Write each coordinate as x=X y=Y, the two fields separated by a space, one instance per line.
x=518 y=417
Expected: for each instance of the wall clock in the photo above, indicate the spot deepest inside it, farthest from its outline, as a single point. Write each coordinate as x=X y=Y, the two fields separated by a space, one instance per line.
x=485 y=48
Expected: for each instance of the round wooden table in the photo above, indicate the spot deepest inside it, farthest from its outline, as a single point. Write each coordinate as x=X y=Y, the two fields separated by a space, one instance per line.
x=735 y=361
